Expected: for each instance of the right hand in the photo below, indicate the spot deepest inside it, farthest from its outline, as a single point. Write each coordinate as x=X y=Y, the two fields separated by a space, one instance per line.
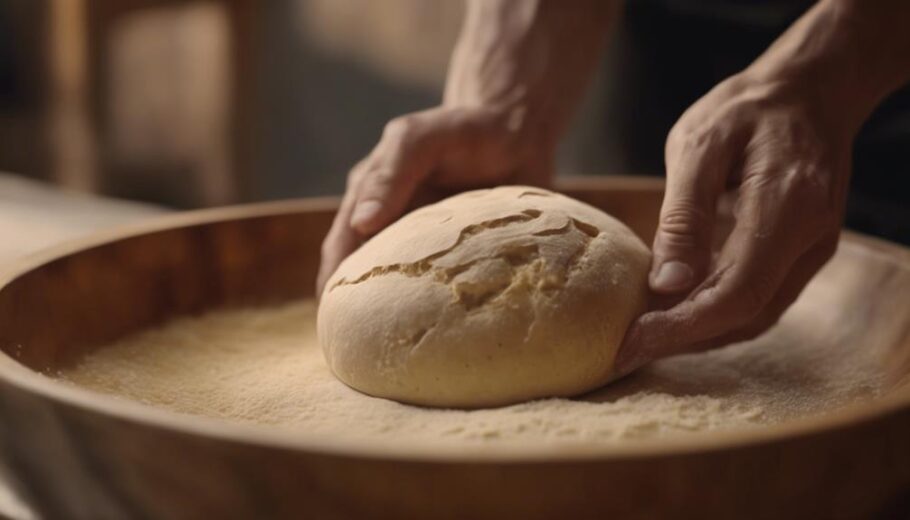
x=425 y=156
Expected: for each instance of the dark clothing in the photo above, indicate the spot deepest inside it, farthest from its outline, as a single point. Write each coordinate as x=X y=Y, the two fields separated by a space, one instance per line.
x=675 y=51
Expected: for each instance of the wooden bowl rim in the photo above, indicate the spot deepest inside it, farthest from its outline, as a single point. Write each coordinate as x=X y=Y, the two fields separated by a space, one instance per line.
x=115 y=408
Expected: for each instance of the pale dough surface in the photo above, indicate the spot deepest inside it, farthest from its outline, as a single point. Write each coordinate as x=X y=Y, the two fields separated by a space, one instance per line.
x=264 y=366
x=490 y=297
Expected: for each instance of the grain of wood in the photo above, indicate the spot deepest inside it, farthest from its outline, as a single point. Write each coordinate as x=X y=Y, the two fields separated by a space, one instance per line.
x=34 y=216
x=81 y=451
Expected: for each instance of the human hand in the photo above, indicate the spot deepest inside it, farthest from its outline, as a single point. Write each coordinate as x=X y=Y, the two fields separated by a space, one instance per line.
x=787 y=167
x=517 y=72
x=424 y=156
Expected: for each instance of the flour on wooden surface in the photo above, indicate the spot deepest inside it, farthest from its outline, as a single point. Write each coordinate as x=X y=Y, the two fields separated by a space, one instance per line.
x=265 y=366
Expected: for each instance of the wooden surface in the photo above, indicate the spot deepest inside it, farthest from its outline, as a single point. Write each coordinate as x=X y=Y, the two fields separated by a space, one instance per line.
x=76 y=454
x=34 y=216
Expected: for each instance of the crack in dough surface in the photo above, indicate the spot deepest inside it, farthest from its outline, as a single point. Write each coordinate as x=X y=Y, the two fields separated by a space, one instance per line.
x=488 y=297
x=424 y=265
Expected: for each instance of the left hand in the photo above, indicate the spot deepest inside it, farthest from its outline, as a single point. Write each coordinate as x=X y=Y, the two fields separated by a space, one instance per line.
x=767 y=144
x=423 y=157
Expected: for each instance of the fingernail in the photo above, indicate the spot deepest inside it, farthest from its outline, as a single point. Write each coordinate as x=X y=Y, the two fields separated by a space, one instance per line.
x=365 y=212
x=672 y=276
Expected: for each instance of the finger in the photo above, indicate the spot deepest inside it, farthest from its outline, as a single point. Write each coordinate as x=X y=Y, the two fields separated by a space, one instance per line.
x=341 y=240
x=404 y=158
x=755 y=260
x=799 y=276
x=438 y=142
x=682 y=245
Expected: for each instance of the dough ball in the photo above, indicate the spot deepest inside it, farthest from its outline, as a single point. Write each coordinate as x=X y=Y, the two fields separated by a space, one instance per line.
x=487 y=298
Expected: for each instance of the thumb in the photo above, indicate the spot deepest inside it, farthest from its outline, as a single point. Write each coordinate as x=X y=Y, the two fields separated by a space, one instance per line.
x=682 y=243
x=402 y=160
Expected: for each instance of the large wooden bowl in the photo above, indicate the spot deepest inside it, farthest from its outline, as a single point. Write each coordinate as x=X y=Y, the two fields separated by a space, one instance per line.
x=78 y=454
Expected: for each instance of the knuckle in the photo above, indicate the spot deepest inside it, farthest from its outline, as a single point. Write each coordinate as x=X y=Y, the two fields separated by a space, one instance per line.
x=808 y=181
x=407 y=135
x=686 y=139
x=678 y=140
x=355 y=177
x=372 y=178
x=809 y=190
x=400 y=131
x=677 y=241
x=683 y=219
x=673 y=140
x=382 y=179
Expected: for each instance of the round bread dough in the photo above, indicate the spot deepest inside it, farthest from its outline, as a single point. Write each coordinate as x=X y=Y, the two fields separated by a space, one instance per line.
x=487 y=298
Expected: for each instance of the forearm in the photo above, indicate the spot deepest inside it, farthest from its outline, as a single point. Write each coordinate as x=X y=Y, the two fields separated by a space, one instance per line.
x=530 y=58
x=846 y=55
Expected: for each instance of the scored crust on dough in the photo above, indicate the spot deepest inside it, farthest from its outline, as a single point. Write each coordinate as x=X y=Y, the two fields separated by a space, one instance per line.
x=486 y=298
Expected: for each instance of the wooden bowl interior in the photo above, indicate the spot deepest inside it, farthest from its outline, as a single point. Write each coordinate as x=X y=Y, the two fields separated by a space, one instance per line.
x=55 y=313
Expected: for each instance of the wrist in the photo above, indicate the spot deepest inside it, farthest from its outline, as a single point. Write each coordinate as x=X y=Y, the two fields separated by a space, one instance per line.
x=529 y=60
x=527 y=132
x=833 y=62
x=496 y=67
x=533 y=138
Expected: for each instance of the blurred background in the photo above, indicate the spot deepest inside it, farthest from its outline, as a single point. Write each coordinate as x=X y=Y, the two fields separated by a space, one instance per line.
x=190 y=103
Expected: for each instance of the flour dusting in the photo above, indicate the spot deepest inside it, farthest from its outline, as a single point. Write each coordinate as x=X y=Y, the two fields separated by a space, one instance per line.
x=264 y=366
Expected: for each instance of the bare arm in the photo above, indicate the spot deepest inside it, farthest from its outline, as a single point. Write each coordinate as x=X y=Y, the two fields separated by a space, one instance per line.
x=532 y=58
x=517 y=73
x=847 y=54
